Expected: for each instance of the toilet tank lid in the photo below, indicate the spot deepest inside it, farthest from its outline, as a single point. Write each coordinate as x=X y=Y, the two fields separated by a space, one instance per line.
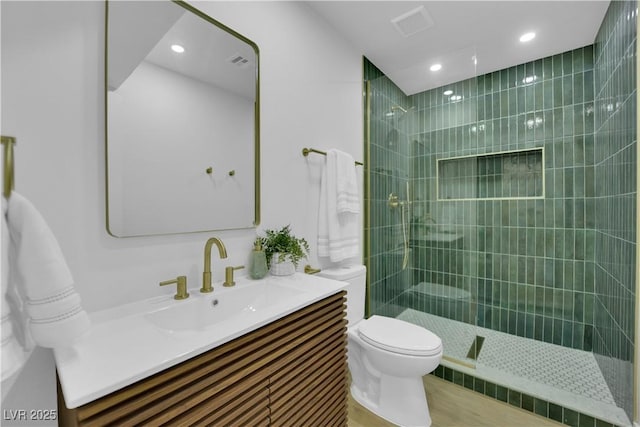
x=343 y=273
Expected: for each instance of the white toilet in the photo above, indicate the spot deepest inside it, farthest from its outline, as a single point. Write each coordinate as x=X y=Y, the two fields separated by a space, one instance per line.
x=387 y=357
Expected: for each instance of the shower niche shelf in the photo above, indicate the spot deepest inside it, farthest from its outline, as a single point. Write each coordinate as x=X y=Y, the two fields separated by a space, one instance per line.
x=517 y=174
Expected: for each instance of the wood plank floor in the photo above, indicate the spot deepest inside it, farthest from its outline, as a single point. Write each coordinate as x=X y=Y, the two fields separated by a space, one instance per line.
x=452 y=405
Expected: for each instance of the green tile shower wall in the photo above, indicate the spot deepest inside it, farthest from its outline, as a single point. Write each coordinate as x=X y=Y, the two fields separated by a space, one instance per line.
x=529 y=264
x=615 y=198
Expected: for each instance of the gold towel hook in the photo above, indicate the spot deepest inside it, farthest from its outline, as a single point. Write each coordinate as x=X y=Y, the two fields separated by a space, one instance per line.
x=9 y=175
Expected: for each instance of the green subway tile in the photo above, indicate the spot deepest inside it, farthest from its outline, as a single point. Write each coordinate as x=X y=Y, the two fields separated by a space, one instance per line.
x=567 y=334
x=555 y=412
x=512 y=77
x=578 y=336
x=514 y=398
x=557 y=65
x=557 y=93
x=541 y=407
x=547 y=94
x=578 y=91
x=578 y=60
x=586 y=421
x=547 y=330
x=439 y=371
x=468 y=381
x=458 y=377
x=538 y=321
x=567 y=91
x=479 y=385
x=570 y=417
x=538 y=96
x=502 y=393
x=567 y=63
x=547 y=68
x=448 y=374
x=588 y=57
x=588 y=88
x=557 y=332
x=490 y=389
x=527 y=402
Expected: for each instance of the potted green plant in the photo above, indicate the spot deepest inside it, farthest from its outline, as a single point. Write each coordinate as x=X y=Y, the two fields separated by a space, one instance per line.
x=283 y=250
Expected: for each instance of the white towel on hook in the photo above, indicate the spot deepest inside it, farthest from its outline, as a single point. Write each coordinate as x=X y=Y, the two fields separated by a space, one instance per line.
x=338 y=231
x=348 y=199
x=39 y=273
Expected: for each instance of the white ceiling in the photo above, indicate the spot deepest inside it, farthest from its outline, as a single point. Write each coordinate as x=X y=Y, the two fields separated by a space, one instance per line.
x=461 y=30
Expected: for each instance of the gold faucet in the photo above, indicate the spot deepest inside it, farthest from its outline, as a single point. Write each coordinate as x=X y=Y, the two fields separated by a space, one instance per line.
x=206 y=275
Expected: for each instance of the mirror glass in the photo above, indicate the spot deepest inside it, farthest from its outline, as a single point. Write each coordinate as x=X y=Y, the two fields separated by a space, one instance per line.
x=182 y=121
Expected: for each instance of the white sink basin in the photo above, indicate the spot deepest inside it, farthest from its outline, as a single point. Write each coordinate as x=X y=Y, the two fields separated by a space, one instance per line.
x=202 y=311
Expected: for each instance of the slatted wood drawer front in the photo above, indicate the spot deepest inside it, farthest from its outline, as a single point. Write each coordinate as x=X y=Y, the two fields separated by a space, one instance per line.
x=289 y=372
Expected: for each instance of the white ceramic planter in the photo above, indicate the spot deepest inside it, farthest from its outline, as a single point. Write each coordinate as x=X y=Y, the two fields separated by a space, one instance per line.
x=284 y=268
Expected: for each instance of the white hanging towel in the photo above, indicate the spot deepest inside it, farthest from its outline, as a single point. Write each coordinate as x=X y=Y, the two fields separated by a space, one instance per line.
x=14 y=354
x=338 y=224
x=39 y=284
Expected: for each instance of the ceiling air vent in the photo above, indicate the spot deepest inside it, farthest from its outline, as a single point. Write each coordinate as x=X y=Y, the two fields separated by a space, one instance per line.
x=238 y=60
x=413 y=22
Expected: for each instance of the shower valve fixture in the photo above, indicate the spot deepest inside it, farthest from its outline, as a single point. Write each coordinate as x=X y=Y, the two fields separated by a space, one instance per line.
x=393 y=201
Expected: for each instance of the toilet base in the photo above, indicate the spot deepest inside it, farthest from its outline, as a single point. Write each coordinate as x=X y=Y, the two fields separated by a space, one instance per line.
x=402 y=401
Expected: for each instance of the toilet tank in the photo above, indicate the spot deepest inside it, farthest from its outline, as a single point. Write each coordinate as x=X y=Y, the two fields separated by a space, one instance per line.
x=356 y=278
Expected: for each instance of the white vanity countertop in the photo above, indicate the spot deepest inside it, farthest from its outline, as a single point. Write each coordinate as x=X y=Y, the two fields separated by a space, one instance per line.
x=124 y=347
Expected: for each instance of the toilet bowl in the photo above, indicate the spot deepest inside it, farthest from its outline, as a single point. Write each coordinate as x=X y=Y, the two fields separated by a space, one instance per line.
x=387 y=357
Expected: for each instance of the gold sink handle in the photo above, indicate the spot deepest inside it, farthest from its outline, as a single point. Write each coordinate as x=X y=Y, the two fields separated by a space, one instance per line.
x=228 y=275
x=310 y=270
x=181 y=281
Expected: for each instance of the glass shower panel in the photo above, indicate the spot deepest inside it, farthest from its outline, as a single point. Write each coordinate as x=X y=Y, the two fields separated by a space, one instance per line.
x=390 y=121
x=443 y=296
x=422 y=258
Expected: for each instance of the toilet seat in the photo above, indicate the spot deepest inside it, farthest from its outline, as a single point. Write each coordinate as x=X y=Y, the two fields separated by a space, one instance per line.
x=398 y=336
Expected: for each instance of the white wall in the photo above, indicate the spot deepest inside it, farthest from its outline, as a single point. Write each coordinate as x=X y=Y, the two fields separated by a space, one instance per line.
x=53 y=102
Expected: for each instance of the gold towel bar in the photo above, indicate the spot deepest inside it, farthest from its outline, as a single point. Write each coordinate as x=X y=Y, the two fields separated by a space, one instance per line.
x=8 y=178
x=306 y=151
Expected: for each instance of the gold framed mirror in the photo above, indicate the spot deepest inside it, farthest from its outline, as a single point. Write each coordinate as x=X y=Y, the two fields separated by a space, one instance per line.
x=182 y=95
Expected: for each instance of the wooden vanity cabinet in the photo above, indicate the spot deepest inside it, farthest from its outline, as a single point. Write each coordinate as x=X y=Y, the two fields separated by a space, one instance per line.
x=292 y=372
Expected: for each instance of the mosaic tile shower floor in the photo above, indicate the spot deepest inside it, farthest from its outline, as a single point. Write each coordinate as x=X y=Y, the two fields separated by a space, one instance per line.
x=567 y=376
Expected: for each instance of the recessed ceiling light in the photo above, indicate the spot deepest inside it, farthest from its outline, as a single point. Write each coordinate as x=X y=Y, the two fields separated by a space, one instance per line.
x=177 y=48
x=447 y=92
x=526 y=37
x=435 y=67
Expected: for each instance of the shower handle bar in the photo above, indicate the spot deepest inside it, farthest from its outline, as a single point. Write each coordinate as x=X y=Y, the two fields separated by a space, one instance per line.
x=393 y=201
